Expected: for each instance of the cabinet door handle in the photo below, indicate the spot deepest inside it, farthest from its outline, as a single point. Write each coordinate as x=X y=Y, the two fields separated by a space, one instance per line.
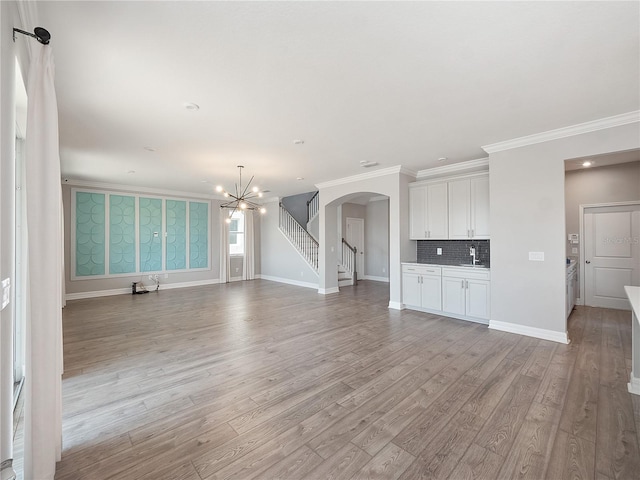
x=426 y=235
x=463 y=284
x=472 y=233
x=466 y=284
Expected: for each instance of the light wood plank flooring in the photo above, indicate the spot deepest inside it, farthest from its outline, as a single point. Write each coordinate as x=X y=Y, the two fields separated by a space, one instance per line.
x=264 y=380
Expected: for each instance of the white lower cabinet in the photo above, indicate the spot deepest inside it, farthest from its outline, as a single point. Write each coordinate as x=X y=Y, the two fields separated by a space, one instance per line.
x=453 y=291
x=421 y=286
x=466 y=292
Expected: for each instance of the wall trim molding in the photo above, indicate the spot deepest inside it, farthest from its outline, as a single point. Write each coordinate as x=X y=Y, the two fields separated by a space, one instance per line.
x=552 y=335
x=564 y=132
x=288 y=281
x=396 y=305
x=472 y=166
x=328 y=291
x=136 y=189
x=634 y=385
x=398 y=169
x=127 y=290
x=376 y=279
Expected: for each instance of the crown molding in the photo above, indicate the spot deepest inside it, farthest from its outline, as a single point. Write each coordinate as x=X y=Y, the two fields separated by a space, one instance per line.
x=564 y=132
x=478 y=165
x=398 y=169
x=136 y=189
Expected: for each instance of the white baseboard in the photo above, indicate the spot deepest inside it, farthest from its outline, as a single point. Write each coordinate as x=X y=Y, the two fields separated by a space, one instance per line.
x=396 y=305
x=560 y=337
x=288 y=281
x=328 y=291
x=634 y=385
x=127 y=291
x=376 y=279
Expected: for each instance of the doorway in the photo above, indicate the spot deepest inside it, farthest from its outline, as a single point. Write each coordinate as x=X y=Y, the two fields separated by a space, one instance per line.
x=611 y=253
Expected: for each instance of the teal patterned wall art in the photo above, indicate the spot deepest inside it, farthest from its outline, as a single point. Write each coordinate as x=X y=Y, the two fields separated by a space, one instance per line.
x=176 y=217
x=90 y=234
x=122 y=234
x=198 y=235
x=150 y=218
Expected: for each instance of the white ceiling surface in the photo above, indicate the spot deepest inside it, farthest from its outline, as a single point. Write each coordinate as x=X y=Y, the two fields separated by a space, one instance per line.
x=390 y=82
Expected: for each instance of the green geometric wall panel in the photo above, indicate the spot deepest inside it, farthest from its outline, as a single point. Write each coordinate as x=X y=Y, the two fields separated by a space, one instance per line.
x=198 y=235
x=176 y=253
x=122 y=234
x=150 y=244
x=90 y=234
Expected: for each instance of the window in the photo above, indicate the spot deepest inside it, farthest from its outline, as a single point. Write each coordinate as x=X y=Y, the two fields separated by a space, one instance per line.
x=236 y=234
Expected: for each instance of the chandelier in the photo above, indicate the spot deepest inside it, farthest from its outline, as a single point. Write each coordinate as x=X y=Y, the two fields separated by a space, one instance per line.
x=242 y=200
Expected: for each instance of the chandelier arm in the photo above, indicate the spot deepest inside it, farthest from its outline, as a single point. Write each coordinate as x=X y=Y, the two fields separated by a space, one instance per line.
x=246 y=188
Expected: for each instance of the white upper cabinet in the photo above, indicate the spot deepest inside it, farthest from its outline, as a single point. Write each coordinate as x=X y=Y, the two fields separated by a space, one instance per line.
x=428 y=217
x=469 y=208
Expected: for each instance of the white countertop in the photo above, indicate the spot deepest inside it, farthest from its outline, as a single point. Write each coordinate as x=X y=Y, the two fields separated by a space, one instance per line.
x=634 y=298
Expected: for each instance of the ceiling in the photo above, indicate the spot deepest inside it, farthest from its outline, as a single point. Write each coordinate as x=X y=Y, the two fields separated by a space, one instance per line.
x=397 y=83
x=606 y=160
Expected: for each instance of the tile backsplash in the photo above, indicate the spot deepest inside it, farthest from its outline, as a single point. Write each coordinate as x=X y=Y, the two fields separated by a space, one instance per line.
x=454 y=252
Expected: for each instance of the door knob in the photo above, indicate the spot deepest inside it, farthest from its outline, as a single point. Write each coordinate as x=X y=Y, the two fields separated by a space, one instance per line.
x=588 y=261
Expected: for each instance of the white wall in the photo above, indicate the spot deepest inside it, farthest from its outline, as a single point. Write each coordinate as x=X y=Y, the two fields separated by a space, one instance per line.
x=393 y=183
x=279 y=258
x=528 y=215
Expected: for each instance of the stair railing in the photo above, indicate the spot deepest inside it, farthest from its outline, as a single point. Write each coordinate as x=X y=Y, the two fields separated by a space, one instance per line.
x=313 y=205
x=299 y=237
x=349 y=254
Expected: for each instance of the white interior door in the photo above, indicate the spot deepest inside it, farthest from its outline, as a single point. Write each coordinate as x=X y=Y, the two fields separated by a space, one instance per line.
x=355 y=237
x=612 y=254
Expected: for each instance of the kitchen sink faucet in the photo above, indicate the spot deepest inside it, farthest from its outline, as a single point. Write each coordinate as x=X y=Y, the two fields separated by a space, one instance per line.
x=472 y=252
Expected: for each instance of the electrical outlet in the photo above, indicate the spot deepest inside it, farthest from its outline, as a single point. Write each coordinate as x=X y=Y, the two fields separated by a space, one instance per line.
x=166 y=275
x=384 y=270
x=439 y=251
x=237 y=269
x=155 y=277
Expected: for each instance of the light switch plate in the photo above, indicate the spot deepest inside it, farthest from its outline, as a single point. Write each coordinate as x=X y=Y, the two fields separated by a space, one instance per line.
x=536 y=256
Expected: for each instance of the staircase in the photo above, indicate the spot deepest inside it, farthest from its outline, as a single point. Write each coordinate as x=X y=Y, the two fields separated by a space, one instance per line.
x=307 y=246
x=347 y=274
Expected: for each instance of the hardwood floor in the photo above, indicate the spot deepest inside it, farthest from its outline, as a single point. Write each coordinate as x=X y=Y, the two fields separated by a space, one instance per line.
x=264 y=380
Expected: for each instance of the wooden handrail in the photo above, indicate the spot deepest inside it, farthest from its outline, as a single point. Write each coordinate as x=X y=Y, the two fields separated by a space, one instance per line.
x=353 y=249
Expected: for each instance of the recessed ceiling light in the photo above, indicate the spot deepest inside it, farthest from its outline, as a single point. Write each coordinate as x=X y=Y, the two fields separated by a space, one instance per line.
x=204 y=181
x=191 y=106
x=149 y=149
x=298 y=142
x=587 y=163
x=131 y=171
x=443 y=159
x=299 y=178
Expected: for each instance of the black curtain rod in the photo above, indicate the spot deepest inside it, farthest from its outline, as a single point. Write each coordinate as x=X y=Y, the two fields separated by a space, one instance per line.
x=39 y=33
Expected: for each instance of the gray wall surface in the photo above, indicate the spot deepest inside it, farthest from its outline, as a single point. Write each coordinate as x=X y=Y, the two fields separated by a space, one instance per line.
x=99 y=284
x=614 y=183
x=528 y=215
x=296 y=205
x=376 y=239
x=279 y=259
